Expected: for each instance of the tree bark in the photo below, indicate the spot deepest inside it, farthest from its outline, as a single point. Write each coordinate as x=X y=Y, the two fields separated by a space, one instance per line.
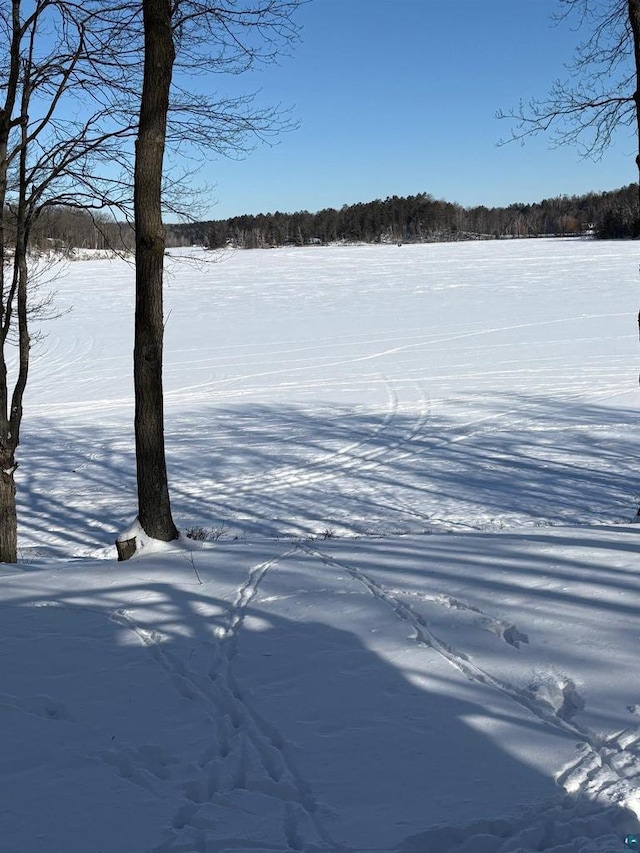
x=8 y=515
x=12 y=276
x=154 y=509
x=634 y=20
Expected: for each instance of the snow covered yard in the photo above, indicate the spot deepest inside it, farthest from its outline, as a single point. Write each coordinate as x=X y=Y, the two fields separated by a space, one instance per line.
x=417 y=629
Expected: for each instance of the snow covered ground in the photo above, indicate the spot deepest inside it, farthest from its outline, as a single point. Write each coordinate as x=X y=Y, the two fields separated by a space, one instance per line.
x=415 y=624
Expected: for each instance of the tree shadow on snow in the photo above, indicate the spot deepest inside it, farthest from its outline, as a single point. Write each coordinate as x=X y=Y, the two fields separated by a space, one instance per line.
x=257 y=470
x=147 y=715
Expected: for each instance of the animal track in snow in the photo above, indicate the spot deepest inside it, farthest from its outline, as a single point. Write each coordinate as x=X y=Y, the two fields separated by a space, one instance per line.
x=144 y=766
x=561 y=694
x=545 y=711
x=245 y=756
x=511 y=635
x=502 y=628
x=38 y=706
x=603 y=783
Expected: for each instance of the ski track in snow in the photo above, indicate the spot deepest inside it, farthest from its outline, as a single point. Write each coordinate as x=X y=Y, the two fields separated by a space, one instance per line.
x=246 y=756
x=357 y=457
x=353 y=456
x=246 y=753
x=602 y=782
x=347 y=369
x=380 y=384
x=387 y=446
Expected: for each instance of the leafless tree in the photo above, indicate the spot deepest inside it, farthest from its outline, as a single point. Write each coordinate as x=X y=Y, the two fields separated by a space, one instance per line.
x=198 y=37
x=154 y=509
x=47 y=157
x=69 y=115
x=601 y=93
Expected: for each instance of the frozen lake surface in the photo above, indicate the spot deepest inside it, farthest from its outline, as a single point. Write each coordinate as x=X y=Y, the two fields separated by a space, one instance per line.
x=361 y=390
x=417 y=628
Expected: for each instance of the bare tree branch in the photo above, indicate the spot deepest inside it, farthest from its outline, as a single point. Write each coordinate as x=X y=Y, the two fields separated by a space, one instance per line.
x=597 y=97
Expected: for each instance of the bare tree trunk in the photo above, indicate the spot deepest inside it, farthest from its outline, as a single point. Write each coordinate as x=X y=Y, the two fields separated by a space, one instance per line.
x=154 y=509
x=11 y=437
x=8 y=515
x=634 y=20
x=9 y=283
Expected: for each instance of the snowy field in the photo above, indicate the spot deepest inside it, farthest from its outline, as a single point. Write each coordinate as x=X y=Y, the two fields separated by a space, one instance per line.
x=415 y=625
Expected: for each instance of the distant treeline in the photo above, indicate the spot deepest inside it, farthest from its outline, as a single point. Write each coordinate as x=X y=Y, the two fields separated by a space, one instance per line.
x=419 y=219
x=63 y=228
x=415 y=219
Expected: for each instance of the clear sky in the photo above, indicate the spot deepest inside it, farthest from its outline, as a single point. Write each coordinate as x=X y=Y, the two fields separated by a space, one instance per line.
x=397 y=97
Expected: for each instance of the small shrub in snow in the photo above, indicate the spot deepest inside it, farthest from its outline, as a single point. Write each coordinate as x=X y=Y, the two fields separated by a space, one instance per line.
x=205 y=534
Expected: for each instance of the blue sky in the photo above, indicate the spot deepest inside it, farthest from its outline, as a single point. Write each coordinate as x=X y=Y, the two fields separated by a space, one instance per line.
x=399 y=97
